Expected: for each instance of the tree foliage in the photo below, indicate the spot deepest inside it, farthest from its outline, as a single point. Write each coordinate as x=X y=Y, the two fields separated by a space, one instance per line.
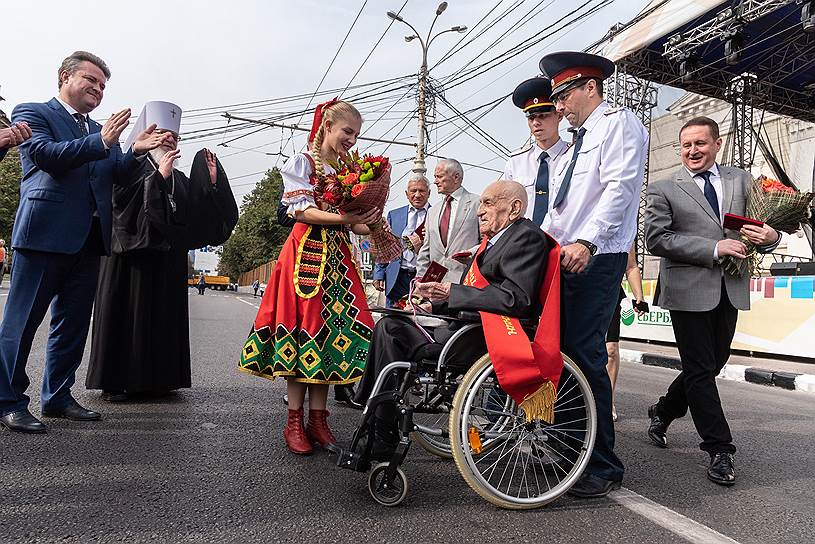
x=10 y=175
x=257 y=237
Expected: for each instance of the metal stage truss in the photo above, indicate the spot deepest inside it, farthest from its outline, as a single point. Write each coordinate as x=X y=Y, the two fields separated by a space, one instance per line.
x=624 y=89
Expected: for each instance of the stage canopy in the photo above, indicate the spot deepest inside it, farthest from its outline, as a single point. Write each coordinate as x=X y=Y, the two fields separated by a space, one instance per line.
x=701 y=45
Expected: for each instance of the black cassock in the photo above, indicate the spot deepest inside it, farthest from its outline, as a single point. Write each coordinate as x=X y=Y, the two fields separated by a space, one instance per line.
x=141 y=336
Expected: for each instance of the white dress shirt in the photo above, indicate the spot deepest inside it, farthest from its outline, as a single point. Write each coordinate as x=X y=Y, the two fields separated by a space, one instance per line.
x=415 y=218
x=454 y=206
x=716 y=181
x=604 y=195
x=72 y=112
x=523 y=168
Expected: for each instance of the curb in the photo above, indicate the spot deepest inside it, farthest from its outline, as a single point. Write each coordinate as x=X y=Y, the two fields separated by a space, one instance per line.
x=740 y=373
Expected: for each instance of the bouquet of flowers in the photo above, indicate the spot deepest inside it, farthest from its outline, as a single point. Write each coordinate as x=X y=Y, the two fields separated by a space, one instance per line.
x=779 y=206
x=360 y=186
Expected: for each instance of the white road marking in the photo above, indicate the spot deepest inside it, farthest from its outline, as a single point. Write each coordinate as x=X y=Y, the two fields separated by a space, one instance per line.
x=680 y=525
x=247 y=302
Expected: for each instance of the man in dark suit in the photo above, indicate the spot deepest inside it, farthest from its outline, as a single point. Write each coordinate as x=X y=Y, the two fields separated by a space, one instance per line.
x=683 y=225
x=394 y=277
x=62 y=227
x=13 y=136
x=513 y=264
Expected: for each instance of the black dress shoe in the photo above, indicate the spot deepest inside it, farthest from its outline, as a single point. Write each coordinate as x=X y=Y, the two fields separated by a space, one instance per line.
x=114 y=396
x=593 y=487
x=658 y=428
x=345 y=394
x=22 y=422
x=721 y=469
x=74 y=412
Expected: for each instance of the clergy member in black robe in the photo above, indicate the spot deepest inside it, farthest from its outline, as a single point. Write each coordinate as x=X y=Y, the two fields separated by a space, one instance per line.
x=141 y=341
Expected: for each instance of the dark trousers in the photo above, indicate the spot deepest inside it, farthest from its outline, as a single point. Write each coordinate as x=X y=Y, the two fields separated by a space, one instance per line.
x=401 y=287
x=67 y=283
x=703 y=339
x=587 y=304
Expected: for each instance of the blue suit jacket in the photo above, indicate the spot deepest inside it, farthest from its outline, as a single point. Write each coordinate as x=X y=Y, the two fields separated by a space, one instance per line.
x=64 y=174
x=397 y=219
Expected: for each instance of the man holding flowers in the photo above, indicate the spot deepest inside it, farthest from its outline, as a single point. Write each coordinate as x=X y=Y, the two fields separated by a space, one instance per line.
x=684 y=226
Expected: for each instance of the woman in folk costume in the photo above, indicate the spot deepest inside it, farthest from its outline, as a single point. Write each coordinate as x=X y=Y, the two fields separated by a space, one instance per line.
x=313 y=327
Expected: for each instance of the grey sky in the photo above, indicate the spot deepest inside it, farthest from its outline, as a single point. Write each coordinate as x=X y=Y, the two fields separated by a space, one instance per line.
x=206 y=54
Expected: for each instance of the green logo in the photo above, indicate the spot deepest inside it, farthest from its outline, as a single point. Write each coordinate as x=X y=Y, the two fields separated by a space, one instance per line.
x=627 y=317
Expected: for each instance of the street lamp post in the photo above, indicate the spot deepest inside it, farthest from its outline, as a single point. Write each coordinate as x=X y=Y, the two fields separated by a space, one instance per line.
x=418 y=163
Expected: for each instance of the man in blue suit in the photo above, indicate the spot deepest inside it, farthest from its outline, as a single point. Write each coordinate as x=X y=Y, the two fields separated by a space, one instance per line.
x=62 y=227
x=394 y=277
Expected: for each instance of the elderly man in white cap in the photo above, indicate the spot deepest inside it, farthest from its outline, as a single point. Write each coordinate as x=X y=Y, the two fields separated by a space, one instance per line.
x=140 y=340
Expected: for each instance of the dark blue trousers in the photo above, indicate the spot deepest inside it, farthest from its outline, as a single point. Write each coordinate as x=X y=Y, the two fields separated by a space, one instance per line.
x=587 y=304
x=67 y=283
x=401 y=287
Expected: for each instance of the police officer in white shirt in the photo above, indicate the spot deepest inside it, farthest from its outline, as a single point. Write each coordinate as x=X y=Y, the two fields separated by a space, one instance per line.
x=534 y=166
x=593 y=215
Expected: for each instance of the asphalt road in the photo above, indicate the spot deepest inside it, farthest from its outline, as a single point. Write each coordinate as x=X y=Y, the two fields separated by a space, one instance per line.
x=210 y=465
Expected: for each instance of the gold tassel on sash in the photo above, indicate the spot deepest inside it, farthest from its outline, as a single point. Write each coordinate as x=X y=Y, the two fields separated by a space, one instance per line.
x=541 y=404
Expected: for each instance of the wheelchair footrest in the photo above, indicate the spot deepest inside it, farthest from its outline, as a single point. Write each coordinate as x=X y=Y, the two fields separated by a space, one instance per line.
x=351 y=460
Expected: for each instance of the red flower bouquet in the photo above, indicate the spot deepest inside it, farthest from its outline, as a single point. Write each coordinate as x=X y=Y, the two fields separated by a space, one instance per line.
x=359 y=186
x=777 y=205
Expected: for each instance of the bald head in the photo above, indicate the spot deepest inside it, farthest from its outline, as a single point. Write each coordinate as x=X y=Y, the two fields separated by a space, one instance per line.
x=503 y=202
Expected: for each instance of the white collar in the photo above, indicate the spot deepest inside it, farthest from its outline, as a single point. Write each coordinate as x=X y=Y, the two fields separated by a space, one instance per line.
x=714 y=169
x=71 y=111
x=411 y=208
x=553 y=151
x=456 y=194
x=495 y=237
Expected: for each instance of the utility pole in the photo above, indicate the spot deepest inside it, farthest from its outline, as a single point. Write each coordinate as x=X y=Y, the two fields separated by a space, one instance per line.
x=419 y=167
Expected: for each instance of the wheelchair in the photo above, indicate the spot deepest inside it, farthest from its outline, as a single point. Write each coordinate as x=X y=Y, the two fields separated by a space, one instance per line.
x=460 y=412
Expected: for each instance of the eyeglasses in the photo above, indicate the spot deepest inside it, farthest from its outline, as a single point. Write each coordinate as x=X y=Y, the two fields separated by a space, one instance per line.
x=563 y=97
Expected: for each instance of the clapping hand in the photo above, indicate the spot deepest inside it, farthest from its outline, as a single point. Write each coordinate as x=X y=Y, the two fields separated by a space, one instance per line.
x=149 y=139
x=212 y=166
x=14 y=135
x=114 y=127
x=165 y=165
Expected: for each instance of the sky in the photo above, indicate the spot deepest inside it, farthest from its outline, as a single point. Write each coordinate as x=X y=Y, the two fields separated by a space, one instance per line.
x=211 y=57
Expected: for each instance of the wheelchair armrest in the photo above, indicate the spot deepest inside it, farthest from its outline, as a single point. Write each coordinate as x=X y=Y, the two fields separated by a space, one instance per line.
x=466 y=315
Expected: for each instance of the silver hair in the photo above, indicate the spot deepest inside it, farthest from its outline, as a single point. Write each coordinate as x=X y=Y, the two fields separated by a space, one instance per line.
x=452 y=166
x=72 y=62
x=420 y=178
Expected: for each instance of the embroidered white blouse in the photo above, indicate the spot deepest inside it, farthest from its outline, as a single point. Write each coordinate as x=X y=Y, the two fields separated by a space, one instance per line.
x=298 y=192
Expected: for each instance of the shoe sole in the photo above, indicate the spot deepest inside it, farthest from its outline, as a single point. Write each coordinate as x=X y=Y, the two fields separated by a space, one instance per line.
x=724 y=483
x=24 y=431
x=659 y=443
x=580 y=495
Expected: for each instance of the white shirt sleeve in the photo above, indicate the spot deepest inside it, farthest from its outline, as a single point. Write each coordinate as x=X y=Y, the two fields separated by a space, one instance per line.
x=298 y=193
x=622 y=154
x=508 y=170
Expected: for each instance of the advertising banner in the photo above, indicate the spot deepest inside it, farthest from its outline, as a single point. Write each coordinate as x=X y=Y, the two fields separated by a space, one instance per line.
x=781 y=320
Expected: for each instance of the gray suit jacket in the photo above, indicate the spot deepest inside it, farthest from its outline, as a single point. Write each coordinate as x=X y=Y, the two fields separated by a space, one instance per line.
x=462 y=236
x=682 y=229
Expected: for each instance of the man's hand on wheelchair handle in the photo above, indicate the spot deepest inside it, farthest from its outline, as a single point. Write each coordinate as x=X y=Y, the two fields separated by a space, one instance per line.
x=434 y=291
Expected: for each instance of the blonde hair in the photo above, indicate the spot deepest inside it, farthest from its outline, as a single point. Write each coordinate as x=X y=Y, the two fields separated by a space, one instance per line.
x=334 y=112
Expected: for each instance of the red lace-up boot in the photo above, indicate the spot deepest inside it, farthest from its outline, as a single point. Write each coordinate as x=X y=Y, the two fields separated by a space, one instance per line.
x=295 y=434
x=317 y=430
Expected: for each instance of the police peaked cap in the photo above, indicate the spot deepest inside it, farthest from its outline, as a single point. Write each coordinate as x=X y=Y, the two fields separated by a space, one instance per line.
x=533 y=95
x=567 y=69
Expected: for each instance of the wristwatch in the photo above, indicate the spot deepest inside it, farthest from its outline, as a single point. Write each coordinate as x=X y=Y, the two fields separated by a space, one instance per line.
x=591 y=247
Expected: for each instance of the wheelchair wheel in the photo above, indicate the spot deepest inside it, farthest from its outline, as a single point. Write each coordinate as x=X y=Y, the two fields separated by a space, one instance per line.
x=511 y=463
x=387 y=493
x=439 y=419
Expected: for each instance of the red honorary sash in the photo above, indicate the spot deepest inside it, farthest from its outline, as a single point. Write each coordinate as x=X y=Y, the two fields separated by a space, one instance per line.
x=529 y=373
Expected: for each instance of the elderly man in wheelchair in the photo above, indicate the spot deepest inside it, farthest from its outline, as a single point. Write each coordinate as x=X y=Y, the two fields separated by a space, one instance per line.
x=515 y=446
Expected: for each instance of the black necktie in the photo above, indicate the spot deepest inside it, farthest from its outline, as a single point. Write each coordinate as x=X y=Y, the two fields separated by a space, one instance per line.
x=567 y=179
x=710 y=192
x=541 y=190
x=80 y=120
